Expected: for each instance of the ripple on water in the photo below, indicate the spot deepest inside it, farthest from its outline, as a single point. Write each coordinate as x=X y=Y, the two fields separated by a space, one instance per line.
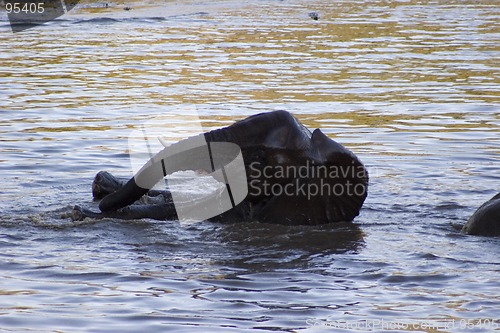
x=409 y=87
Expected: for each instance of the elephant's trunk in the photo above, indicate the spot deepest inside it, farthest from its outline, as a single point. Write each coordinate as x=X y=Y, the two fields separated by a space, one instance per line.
x=193 y=153
x=160 y=165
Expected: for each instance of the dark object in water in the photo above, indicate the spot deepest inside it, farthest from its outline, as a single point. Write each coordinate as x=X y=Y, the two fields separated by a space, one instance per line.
x=293 y=176
x=486 y=220
x=314 y=16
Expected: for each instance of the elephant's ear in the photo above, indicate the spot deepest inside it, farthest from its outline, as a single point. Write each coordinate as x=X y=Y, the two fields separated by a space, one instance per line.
x=334 y=155
x=328 y=149
x=348 y=181
x=301 y=210
x=290 y=210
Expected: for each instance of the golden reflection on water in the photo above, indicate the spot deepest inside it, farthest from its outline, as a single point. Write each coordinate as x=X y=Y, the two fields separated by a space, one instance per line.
x=410 y=86
x=379 y=66
x=373 y=51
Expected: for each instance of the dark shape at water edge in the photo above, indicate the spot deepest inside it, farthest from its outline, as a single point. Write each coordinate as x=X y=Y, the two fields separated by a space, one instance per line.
x=486 y=220
x=314 y=16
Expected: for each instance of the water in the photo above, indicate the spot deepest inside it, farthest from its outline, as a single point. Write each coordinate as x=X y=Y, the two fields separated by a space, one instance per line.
x=410 y=86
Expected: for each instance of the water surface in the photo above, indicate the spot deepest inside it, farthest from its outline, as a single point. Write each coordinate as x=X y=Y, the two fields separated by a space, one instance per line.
x=411 y=87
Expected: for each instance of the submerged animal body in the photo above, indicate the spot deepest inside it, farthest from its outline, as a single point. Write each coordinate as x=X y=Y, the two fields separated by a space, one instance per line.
x=486 y=220
x=292 y=175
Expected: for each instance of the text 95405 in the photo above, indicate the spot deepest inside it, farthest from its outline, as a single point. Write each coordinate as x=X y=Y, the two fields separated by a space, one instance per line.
x=23 y=7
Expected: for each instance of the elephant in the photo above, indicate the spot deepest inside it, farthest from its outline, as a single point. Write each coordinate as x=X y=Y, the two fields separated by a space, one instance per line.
x=291 y=176
x=486 y=219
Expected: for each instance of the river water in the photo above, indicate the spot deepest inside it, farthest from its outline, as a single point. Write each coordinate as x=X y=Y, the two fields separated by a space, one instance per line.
x=410 y=86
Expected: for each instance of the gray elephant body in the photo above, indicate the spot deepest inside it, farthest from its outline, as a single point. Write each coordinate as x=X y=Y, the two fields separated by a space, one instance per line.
x=486 y=220
x=268 y=141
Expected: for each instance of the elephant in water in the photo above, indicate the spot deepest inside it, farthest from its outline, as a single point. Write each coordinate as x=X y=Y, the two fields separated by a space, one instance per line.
x=318 y=180
x=291 y=176
x=486 y=220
